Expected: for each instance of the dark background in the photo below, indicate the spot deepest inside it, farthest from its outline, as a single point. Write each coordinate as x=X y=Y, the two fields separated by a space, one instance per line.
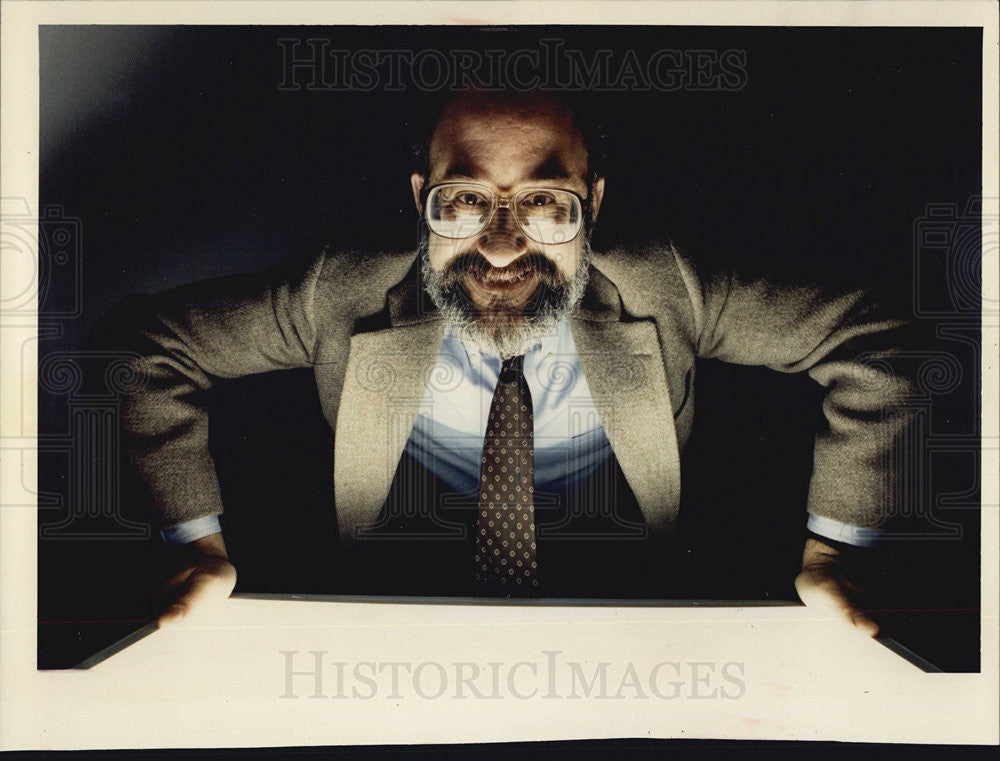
x=170 y=154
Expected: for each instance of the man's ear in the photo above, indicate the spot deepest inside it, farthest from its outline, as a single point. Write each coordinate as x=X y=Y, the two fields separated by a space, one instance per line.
x=417 y=183
x=596 y=196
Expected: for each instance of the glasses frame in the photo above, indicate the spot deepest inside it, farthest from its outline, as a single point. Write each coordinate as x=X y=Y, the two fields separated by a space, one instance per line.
x=505 y=201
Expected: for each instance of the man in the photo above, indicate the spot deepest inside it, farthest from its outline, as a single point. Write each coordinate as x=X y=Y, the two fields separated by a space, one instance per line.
x=509 y=407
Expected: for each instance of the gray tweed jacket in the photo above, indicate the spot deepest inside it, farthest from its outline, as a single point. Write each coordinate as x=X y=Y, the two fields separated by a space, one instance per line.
x=371 y=335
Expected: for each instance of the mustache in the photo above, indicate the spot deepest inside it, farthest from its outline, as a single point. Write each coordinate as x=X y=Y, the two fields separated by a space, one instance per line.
x=474 y=264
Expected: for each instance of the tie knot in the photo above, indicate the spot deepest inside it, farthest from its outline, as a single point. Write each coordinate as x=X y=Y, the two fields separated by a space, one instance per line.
x=512 y=369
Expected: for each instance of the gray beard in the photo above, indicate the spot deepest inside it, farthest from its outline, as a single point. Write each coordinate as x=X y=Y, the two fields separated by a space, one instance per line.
x=504 y=332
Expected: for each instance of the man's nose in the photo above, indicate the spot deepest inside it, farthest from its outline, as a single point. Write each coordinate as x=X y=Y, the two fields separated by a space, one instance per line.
x=502 y=242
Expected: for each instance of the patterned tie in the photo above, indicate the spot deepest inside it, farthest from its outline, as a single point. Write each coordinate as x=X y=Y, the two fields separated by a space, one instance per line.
x=505 y=532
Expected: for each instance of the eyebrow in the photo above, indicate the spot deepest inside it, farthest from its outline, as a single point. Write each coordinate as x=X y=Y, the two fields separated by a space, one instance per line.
x=458 y=170
x=552 y=169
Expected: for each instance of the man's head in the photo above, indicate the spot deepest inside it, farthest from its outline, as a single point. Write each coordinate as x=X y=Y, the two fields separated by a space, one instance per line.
x=515 y=165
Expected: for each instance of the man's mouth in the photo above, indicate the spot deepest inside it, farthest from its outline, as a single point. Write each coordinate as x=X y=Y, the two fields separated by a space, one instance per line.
x=513 y=284
x=514 y=288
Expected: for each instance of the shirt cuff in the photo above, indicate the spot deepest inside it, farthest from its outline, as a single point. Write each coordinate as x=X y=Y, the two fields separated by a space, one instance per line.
x=186 y=532
x=841 y=532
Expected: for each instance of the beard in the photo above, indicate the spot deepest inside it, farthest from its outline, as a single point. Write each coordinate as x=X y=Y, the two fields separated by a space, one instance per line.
x=503 y=320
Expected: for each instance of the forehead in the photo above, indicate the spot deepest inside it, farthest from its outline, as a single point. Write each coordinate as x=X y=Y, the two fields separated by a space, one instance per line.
x=508 y=142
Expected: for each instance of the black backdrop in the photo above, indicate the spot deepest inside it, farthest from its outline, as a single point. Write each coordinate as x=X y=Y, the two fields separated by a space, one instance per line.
x=172 y=154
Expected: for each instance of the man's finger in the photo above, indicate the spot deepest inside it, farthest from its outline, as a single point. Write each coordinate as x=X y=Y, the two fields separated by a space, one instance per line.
x=201 y=588
x=864 y=623
x=172 y=615
x=819 y=590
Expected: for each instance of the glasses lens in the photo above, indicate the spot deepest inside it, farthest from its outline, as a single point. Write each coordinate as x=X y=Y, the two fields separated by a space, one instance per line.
x=549 y=216
x=458 y=211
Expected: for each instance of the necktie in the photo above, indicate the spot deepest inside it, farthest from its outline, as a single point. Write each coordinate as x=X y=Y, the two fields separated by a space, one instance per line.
x=505 y=531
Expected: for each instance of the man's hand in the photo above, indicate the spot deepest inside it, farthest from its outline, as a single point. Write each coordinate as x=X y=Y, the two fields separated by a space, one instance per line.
x=205 y=577
x=825 y=583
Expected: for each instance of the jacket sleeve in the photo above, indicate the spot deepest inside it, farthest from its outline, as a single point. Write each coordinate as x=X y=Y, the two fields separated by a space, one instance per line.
x=177 y=343
x=847 y=342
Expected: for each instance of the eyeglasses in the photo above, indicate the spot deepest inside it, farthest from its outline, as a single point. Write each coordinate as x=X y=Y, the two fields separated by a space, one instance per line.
x=464 y=209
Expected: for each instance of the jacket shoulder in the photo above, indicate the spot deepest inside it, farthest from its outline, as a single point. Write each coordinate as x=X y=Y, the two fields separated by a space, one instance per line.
x=655 y=278
x=357 y=281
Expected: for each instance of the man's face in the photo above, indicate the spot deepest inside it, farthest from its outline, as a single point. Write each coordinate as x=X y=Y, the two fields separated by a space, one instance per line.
x=500 y=285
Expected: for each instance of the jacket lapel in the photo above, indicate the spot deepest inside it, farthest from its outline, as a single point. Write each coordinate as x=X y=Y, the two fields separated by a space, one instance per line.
x=624 y=369
x=385 y=380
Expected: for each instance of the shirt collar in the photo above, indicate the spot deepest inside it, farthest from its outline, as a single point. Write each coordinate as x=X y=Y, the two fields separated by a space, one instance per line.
x=543 y=346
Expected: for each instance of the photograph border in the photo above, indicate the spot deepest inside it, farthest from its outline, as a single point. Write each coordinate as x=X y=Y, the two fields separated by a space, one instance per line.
x=965 y=706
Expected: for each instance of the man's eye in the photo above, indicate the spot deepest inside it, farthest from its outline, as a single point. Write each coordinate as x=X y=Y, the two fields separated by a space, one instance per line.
x=469 y=199
x=540 y=199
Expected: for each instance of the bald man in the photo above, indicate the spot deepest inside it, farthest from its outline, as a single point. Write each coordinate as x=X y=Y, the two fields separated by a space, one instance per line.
x=509 y=407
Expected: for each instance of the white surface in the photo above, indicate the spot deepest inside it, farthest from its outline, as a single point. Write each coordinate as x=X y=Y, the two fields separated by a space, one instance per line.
x=221 y=679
